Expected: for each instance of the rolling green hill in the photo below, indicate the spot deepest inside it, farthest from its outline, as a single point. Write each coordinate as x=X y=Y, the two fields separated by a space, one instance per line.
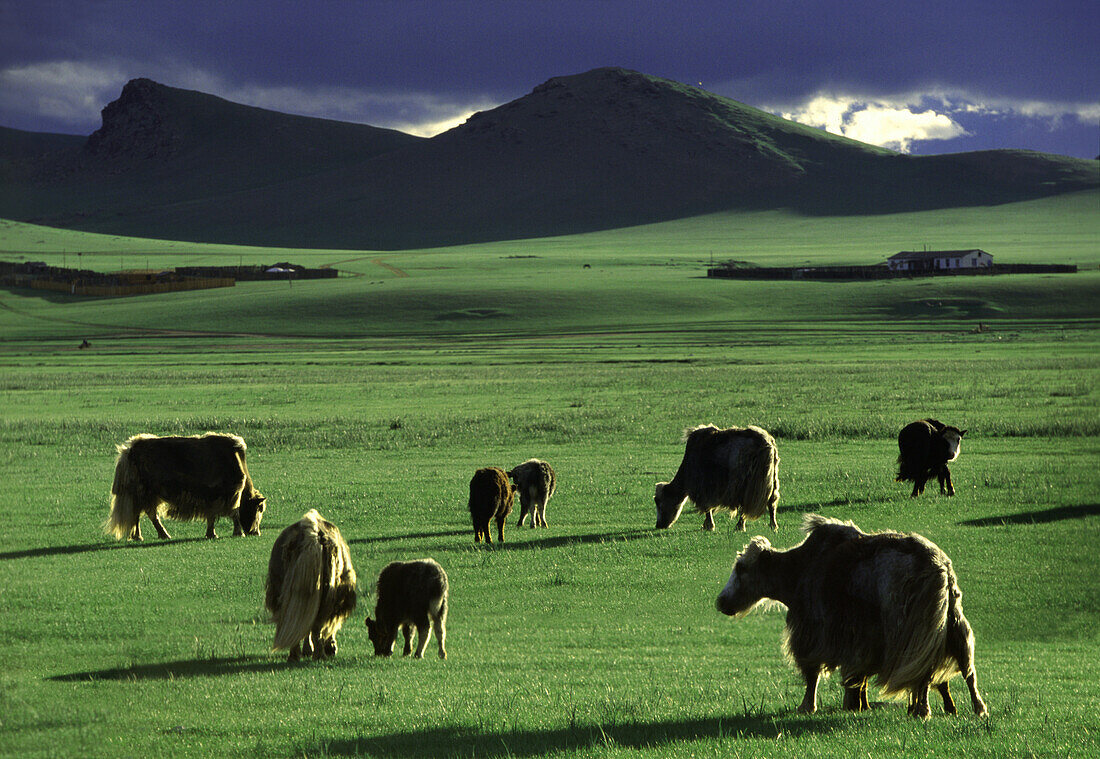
x=600 y=150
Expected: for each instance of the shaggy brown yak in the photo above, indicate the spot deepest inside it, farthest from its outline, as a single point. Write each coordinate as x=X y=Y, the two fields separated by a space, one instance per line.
x=310 y=587
x=188 y=478
x=410 y=593
x=535 y=483
x=491 y=497
x=924 y=450
x=735 y=469
x=884 y=604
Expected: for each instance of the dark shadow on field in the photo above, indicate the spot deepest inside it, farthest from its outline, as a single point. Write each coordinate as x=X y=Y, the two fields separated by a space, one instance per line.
x=91 y=547
x=469 y=741
x=228 y=665
x=518 y=544
x=412 y=536
x=1037 y=517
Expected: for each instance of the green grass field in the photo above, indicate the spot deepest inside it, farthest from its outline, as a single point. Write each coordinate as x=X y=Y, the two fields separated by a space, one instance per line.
x=373 y=398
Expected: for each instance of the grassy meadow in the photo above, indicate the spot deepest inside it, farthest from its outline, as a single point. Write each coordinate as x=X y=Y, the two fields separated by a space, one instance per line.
x=374 y=397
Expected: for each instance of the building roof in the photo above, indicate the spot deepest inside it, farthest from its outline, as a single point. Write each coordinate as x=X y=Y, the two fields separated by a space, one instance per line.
x=917 y=255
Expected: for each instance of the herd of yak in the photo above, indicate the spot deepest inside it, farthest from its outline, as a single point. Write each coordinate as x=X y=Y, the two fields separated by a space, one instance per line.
x=883 y=605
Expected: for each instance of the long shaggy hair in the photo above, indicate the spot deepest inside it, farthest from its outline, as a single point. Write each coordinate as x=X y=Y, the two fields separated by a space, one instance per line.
x=884 y=605
x=310 y=587
x=184 y=478
x=535 y=482
x=735 y=469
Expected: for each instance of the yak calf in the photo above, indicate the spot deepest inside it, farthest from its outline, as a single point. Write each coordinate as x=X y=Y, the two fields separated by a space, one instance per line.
x=925 y=448
x=410 y=593
x=310 y=587
x=882 y=605
x=535 y=483
x=491 y=497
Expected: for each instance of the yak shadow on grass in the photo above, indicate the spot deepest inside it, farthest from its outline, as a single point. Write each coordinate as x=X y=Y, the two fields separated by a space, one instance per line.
x=472 y=741
x=1058 y=514
x=31 y=553
x=206 y=667
x=411 y=536
x=557 y=541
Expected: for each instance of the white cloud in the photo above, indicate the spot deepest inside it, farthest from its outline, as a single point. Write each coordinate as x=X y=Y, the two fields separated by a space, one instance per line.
x=69 y=92
x=897 y=121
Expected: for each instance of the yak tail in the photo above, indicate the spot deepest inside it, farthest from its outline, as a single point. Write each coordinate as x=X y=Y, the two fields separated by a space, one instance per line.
x=919 y=633
x=761 y=479
x=300 y=595
x=125 y=509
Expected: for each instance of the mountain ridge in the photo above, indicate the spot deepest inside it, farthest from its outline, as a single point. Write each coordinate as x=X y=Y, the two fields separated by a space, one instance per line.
x=605 y=148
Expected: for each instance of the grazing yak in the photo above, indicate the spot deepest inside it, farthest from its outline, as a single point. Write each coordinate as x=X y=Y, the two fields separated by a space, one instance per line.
x=881 y=604
x=535 y=483
x=491 y=497
x=310 y=587
x=410 y=594
x=735 y=469
x=188 y=478
x=925 y=449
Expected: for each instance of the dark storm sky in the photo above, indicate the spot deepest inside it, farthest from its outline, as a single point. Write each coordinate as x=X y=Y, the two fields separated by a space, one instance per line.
x=924 y=77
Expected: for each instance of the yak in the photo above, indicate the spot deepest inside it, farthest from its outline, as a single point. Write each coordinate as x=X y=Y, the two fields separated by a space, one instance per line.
x=185 y=478
x=310 y=587
x=535 y=482
x=735 y=469
x=491 y=497
x=884 y=605
x=410 y=594
x=925 y=448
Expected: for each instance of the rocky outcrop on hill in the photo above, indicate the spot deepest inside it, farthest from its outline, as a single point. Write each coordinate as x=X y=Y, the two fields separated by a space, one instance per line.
x=135 y=125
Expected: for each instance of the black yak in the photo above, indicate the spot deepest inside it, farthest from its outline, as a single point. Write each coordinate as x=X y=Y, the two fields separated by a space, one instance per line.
x=535 y=483
x=310 y=587
x=186 y=478
x=735 y=469
x=491 y=497
x=886 y=605
x=410 y=594
x=925 y=448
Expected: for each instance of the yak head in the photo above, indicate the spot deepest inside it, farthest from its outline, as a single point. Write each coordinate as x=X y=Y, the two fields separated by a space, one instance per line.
x=953 y=437
x=746 y=586
x=251 y=512
x=668 y=507
x=382 y=636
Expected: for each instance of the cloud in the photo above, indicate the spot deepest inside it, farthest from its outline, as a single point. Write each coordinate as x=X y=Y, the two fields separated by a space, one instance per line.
x=65 y=92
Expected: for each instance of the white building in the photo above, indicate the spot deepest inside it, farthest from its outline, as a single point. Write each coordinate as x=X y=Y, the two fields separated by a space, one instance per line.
x=941 y=260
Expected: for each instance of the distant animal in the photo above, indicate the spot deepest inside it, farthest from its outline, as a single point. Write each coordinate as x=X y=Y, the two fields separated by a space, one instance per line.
x=185 y=478
x=410 y=594
x=491 y=497
x=735 y=469
x=535 y=482
x=84 y=344
x=310 y=587
x=925 y=448
x=885 y=604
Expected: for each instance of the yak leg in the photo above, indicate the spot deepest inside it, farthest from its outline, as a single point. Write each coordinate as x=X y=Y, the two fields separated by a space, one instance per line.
x=210 y=527
x=408 y=632
x=771 y=514
x=500 y=528
x=975 y=698
x=918 y=702
x=135 y=532
x=741 y=522
x=541 y=506
x=294 y=653
x=811 y=671
x=523 y=510
x=945 y=479
x=948 y=702
x=918 y=485
x=423 y=632
x=238 y=531
x=155 y=519
x=439 y=624
x=855 y=696
x=708 y=520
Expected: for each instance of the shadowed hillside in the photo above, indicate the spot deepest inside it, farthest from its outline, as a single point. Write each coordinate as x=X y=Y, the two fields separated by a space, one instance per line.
x=598 y=150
